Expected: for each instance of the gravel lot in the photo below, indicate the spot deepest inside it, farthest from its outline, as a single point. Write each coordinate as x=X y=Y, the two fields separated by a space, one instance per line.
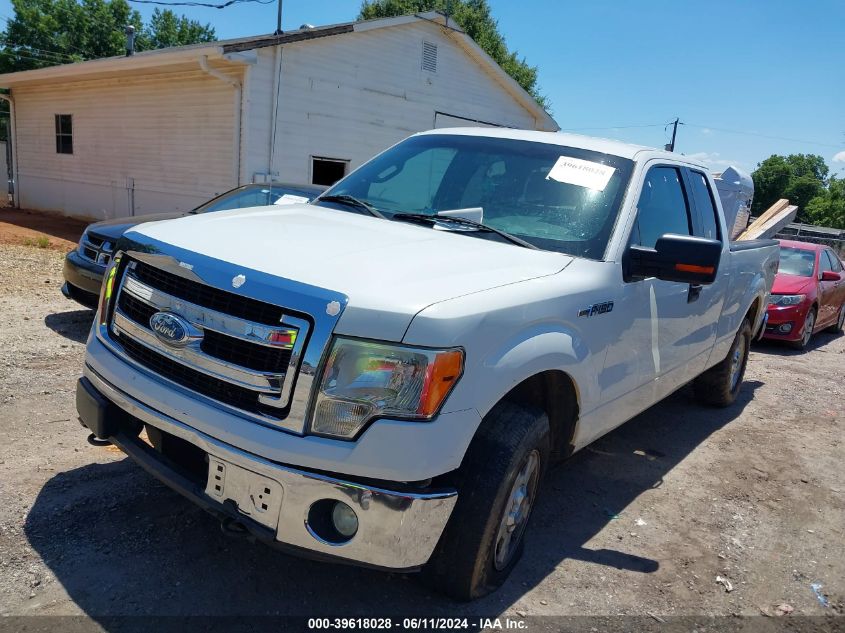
x=642 y=522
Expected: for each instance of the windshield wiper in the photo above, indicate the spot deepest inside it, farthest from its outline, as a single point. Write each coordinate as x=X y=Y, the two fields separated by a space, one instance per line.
x=352 y=201
x=422 y=218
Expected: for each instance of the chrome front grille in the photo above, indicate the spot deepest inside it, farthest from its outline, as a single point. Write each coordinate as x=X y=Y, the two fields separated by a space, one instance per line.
x=244 y=353
x=96 y=249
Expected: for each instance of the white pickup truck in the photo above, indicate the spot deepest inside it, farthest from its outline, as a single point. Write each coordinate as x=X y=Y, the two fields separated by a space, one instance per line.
x=383 y=375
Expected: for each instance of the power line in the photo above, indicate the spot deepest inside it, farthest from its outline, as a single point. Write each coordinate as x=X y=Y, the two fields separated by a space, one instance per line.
x=12 y=46
x=611 y=127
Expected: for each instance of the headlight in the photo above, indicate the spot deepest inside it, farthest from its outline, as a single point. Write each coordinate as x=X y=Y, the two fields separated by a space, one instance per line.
x=786 y=300
x=363 y=380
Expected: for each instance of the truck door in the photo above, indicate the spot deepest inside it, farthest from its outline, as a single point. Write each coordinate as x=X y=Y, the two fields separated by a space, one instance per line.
x=682 y=318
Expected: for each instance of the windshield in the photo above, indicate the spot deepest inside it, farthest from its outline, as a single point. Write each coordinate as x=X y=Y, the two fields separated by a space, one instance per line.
x=554 y=197
x=796 y=261
x=257 y=196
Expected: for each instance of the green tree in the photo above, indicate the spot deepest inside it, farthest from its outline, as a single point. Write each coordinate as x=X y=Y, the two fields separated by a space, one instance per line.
x=476 y=19
x=799 y=177
x=49 y=32
x=828 y=209
x=167 y=29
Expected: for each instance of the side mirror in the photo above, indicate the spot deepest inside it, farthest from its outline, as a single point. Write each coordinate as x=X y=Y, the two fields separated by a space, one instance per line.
x=830 y=275
x=682 y=258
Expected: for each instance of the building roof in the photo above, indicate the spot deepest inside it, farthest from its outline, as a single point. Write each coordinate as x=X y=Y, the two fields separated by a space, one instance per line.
x=234 y=50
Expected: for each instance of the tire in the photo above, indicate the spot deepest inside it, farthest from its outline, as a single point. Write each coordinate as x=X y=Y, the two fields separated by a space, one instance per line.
x=807 y=331
x=840 y=322
x=719 y=386
x=472 y=559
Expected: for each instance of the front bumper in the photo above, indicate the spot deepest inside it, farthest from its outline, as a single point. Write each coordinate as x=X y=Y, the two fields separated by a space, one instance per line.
x=83 y=277
x=785 y=323
x=397 y=530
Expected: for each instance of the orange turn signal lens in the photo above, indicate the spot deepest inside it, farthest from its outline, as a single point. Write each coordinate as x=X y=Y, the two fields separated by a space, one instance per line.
x=692 y=268
x=440 y=377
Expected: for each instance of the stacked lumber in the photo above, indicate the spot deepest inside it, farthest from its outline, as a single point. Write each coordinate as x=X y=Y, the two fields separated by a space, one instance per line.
x=771 y=222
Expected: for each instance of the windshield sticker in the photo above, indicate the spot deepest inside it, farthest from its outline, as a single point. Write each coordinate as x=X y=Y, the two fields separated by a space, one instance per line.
x=289 y=198
x=583 y=173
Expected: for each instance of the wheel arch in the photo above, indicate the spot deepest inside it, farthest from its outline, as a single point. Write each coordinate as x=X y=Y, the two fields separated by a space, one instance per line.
x=556 y=394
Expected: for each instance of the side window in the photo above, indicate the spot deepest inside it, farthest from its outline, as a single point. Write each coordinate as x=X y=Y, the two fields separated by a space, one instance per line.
x=824 y=263
x=704 y=204
x=662 y=207
x=835 y=264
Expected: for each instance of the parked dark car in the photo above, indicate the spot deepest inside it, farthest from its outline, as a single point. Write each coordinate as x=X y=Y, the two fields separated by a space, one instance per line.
x=84 y=267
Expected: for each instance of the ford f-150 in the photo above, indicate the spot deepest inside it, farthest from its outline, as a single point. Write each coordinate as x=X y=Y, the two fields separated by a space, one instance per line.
x=382 y=376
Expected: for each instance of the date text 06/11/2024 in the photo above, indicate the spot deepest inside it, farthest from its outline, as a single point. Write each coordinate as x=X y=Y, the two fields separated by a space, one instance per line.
x=417 y=624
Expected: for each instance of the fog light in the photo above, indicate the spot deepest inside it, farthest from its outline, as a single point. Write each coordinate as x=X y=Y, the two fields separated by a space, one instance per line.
x=785 y=328
x=344 y=519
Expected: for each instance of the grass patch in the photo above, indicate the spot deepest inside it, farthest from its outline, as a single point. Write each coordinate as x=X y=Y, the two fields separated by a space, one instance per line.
x=42 y=241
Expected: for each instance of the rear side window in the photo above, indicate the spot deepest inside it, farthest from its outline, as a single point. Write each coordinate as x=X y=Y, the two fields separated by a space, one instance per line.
x=705 y=206
x=662 y=207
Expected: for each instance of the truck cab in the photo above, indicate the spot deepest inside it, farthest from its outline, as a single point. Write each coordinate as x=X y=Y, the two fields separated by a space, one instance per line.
x=383 y=375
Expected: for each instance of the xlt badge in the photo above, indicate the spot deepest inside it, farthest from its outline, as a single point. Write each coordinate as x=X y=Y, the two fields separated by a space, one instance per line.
x=596 y=308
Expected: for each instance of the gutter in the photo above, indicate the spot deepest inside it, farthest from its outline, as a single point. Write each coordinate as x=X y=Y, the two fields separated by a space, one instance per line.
x=236 y=84
x=13 y=139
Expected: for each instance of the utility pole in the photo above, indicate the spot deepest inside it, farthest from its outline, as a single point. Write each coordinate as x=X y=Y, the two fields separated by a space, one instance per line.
x=671 y=146
x=279 y=20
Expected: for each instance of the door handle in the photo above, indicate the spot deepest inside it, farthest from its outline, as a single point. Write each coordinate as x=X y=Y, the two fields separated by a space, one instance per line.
x=694 y=292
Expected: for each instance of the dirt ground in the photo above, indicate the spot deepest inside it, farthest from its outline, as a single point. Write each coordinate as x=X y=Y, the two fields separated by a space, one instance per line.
x=640 y=523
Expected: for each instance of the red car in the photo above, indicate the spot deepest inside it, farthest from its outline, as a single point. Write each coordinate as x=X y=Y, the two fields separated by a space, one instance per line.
x=808 y=294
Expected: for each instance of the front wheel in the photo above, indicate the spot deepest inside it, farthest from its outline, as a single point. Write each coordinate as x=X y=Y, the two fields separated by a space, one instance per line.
x=719 y=386
x=499 y=482
x=807 y=331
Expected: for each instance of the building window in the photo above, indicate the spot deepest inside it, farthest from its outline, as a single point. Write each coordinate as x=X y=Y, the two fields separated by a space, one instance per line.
x=64 y=134
x=429 y=57
x=327 y=171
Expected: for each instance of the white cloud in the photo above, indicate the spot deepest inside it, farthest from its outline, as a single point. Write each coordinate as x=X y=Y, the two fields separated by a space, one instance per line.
x=715 y=161
x=839 y=158
x=706 y=130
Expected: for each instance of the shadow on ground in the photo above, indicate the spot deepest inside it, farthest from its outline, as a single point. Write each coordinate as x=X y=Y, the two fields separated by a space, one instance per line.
x=73 y=325
x=121 y=543
x=781 y=348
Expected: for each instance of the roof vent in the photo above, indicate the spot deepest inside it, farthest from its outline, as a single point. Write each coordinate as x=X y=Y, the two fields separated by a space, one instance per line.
x=429 y=57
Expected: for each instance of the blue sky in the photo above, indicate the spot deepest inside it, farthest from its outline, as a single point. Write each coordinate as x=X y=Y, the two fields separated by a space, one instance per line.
x=774 y=69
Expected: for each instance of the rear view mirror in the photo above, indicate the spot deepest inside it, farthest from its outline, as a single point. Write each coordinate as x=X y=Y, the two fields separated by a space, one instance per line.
x=683 y=258
x=830 y=275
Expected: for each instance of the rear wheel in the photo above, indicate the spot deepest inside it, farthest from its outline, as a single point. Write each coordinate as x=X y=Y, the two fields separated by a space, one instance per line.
x=807 y=330
x=499 y=482
x=719 y=386
x=840 y=322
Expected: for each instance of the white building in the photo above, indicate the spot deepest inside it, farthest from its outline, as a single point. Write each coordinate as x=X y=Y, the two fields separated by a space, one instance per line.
x=167 y=129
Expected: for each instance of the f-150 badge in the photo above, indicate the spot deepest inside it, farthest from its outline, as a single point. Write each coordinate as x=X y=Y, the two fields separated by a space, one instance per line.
x=596 y=308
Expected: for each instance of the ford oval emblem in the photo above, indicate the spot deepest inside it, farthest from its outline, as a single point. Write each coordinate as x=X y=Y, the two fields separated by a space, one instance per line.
x=170 y=329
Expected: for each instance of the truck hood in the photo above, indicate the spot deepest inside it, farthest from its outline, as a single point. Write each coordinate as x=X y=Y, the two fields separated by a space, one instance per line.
x=388 y=270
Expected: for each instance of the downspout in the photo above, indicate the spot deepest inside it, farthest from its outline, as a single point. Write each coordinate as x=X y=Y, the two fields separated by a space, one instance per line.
x=13 y=139
x=274 y=110
x=238 y=108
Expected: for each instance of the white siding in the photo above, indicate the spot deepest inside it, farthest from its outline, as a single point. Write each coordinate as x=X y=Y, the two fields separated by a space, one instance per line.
x=172 y=134
x=351 y=96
